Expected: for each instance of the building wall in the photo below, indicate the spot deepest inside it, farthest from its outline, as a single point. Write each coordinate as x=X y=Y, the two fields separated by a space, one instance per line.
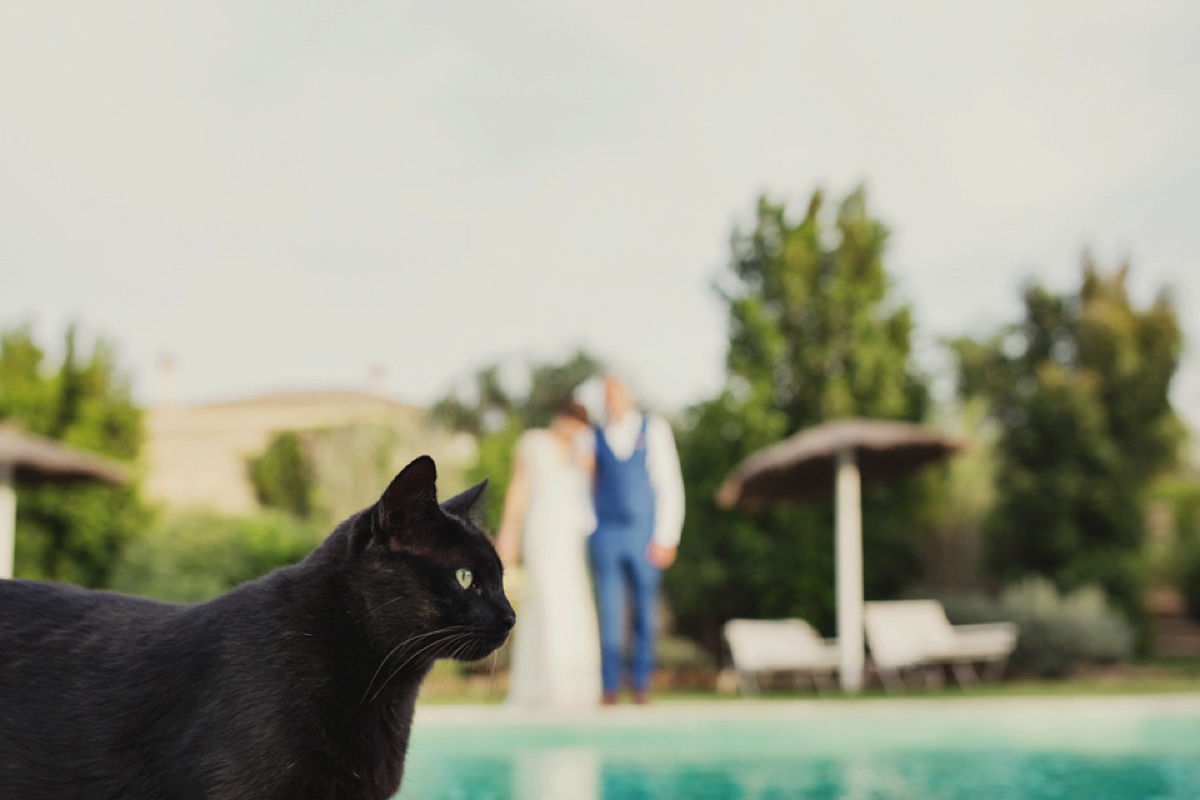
x=195 y=457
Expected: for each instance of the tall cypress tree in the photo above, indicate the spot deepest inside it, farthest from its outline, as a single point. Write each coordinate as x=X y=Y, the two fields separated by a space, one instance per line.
x=814 y=334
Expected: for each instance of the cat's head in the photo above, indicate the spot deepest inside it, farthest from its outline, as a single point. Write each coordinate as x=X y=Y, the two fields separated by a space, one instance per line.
x=428 y=578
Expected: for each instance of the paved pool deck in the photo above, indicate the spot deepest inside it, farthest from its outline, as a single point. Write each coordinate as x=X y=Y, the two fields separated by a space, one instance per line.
x=701 y=711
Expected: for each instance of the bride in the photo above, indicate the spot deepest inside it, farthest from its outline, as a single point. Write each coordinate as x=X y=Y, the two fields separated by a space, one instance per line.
x=547 y=519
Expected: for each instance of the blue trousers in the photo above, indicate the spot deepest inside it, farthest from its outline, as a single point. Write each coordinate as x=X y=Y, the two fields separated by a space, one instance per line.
x=621 y=571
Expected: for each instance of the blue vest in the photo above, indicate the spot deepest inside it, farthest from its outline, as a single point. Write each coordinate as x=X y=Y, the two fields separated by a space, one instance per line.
x=624 y=494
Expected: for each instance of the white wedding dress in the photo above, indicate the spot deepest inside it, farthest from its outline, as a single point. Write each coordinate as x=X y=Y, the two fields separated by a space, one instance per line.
x=556 y=644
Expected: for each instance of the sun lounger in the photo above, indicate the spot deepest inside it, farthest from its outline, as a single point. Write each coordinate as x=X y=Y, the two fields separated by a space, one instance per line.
x=915 y=633
x=789 y=645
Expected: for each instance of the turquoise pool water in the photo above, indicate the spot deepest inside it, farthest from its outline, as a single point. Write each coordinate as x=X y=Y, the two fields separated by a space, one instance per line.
x=1115 y=749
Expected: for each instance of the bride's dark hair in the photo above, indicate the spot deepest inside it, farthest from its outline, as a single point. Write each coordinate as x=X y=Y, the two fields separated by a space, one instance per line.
x=570 y=407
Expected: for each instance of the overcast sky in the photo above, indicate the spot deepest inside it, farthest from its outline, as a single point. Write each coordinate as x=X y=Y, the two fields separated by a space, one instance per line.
x=281 y=195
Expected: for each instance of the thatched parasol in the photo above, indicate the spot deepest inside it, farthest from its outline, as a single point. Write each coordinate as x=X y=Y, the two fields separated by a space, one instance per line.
x=837 y=457
x=802 y=467
x=27 y=459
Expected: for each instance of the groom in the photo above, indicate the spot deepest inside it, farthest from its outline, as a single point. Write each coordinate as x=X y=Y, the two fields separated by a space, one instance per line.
x=639 y=514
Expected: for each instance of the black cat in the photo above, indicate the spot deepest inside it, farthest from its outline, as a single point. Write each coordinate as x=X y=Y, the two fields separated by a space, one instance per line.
x=298 y=685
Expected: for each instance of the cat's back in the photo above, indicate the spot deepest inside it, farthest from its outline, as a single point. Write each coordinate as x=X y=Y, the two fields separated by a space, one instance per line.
x=110 y=696
x=74 y=667
x=57 y=603
x=55 y=622
x=65 y=650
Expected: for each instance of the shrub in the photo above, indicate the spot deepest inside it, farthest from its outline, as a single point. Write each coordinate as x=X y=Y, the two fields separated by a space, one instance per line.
x=283 y=475
x=1059 y=632
x=196 y=556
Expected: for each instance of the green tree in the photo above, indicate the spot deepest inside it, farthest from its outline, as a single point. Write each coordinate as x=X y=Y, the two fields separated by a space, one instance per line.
x=282 y=476
x=1079 y=389
x=497 y=415
x=814 y=334
x=72 y=533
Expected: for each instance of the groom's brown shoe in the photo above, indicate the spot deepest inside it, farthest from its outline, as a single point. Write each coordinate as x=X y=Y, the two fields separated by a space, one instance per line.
x=609 y=699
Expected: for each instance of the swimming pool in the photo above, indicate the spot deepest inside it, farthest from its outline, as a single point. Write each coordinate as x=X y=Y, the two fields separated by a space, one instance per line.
x=1120 y=748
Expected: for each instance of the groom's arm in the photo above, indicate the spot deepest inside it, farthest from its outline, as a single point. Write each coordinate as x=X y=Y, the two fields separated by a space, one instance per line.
x=662 y=459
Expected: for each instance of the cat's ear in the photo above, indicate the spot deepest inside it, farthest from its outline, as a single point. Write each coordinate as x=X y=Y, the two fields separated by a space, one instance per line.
x=412 y=494
x=461 y=504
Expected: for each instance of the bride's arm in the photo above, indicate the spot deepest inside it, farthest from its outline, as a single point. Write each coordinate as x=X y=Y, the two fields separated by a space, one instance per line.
x=583 y=453
x=586 y=461
x=508 y=540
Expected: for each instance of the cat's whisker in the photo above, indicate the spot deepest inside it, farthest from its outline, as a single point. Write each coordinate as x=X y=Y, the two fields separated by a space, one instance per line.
x=404 y=647
x=428 y=645
x=413 y=640
x=439 y=681
x=386 y=657
x=411 y=658
x=409 y=641
x=487 y=698
x=463 y=648
x=459 y=650
x=401 y=667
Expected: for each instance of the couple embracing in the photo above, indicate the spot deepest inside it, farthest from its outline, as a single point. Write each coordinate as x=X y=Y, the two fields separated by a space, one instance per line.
x=611 y=495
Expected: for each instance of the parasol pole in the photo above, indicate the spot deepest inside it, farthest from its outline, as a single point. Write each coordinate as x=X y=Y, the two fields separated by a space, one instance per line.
x=8 y=519
x=849 y=571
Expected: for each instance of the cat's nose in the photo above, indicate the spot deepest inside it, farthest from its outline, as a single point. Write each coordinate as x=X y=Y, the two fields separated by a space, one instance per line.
x=508 y=618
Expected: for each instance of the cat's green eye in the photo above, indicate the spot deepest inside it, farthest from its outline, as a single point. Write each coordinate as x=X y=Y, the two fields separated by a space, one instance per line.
x=464 y=578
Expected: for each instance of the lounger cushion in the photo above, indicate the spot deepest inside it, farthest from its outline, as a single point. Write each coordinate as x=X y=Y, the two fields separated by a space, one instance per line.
x=783 y=644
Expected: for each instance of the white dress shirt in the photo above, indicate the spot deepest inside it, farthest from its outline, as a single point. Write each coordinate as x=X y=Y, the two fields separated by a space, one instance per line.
x=662 y=462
